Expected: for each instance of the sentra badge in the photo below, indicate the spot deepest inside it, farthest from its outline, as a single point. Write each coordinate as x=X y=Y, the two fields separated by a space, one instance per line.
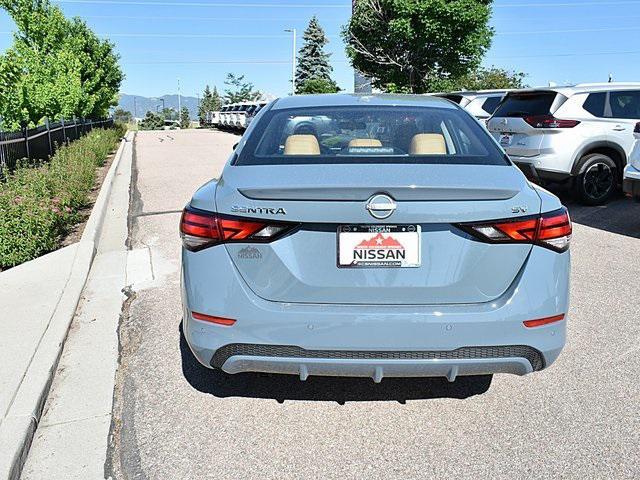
x=259 y=210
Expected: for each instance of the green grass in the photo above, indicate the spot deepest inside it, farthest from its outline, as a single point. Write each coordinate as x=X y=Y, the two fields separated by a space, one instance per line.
x=39 y=203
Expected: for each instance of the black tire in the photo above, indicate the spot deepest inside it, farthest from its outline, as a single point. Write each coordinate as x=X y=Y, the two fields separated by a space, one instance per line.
x=598 y=181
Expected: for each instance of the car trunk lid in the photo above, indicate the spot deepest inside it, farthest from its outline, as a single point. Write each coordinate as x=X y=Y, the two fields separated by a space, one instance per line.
x=302 y=267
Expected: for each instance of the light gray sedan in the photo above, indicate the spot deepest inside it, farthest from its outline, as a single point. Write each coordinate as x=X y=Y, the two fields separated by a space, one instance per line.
x=375 y=236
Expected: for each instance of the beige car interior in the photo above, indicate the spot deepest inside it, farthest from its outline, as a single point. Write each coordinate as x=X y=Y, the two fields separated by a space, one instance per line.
x=302 y=145
x=428 y=144
x=365 y=142
x=421 y=144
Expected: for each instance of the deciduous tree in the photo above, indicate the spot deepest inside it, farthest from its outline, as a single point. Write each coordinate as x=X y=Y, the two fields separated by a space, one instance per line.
x=317 y=85
x=55 y=68
x=411 y=45
x=491 y=78
x=152 y=121
x=123 y=116
x=239 y=90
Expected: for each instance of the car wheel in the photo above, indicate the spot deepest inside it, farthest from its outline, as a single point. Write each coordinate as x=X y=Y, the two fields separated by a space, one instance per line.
x=598 y=181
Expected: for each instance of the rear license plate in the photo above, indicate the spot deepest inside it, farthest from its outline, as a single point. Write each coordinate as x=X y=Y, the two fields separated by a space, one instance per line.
x=379 y=246
x=505 y=140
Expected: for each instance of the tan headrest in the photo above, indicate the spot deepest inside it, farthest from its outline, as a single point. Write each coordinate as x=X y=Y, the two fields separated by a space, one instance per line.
x=365 y=142
x=301 y=145
x=428 y=144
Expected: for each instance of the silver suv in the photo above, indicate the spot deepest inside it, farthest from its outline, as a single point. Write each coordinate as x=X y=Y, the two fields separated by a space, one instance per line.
x=581 y=134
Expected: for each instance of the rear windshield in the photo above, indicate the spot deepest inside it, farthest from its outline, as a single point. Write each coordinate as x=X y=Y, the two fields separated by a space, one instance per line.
x=490 y=104
x=370 y=134
x=526 y=104
x=454 y=98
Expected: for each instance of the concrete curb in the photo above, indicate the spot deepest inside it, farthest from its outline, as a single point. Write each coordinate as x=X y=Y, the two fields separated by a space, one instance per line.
x=19 y=426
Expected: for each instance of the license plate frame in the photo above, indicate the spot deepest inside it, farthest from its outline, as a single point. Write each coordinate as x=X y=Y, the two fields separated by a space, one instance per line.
x=397 y=240
x=506 y=139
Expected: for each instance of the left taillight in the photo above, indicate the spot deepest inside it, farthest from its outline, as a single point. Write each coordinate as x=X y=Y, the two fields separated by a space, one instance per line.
x=201 y=229
x=550 y=230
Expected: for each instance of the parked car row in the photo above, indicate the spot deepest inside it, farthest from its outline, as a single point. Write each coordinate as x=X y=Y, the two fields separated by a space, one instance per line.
x=235 y=116
x=581 y=136
x=481 y=104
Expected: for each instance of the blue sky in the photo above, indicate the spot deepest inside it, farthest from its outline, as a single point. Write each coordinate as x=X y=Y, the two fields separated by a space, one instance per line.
x=564 y=41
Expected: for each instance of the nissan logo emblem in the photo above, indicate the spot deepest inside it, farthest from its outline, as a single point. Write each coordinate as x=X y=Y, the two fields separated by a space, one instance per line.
x=381 y=206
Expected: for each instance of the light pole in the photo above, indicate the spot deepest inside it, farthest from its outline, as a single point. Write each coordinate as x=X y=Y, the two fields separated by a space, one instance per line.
x=179 y=99
x=293 y=60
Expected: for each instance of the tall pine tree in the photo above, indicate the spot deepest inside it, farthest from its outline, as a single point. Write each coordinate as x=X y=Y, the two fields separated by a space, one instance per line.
x=313 y=61
x=216 y=100
x=210 y=102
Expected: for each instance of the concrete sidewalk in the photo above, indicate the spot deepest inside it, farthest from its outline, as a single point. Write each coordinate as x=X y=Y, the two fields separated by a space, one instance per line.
x=72 y=435
x=38 y=301
x=29 y=299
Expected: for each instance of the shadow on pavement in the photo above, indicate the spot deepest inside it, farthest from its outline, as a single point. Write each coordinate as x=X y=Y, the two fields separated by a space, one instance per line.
x=621 y=215
x=326 y=389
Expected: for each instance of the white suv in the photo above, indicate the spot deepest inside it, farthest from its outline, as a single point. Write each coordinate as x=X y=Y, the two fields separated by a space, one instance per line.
x=580 y=134
x=480 y=104
x=631 y=182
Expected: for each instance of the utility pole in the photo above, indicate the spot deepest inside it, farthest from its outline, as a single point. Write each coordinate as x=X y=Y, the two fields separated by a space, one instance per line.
x=179 y=100
x=293 y=60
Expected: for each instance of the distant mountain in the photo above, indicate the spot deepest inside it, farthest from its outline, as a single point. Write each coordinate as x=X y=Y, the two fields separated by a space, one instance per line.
x=139 y=106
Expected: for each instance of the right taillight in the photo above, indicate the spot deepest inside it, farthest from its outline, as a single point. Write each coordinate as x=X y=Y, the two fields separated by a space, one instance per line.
x=550 y=230
x=201 y=229
x=549 y=121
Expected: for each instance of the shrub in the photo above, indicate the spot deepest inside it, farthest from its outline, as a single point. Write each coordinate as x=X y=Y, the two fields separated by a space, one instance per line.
x=38 y=203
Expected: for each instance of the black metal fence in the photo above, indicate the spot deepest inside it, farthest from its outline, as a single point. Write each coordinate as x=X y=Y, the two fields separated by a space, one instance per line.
x=41 y=142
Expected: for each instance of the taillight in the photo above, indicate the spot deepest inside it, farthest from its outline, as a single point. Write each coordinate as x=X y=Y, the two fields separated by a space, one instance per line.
x=550 y=230
x=200 y=229
x=549 y=121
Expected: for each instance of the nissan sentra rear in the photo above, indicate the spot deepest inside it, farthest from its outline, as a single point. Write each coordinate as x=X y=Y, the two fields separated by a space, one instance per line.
x=377 y=236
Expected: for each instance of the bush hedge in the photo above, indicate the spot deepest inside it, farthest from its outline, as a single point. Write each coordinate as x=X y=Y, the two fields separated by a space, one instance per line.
x=39 y=203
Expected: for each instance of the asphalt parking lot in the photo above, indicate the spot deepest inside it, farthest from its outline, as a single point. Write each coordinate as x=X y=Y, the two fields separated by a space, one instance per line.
x=578 y=419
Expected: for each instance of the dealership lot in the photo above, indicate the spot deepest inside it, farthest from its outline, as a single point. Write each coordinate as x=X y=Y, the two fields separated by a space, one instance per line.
x=179 y=420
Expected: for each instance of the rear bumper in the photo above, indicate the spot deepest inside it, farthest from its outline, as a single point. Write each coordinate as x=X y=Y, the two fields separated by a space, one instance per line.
x=631 y=181
x=237 y=358
x=376 y=369
x=374 y=341
x=536 y=174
